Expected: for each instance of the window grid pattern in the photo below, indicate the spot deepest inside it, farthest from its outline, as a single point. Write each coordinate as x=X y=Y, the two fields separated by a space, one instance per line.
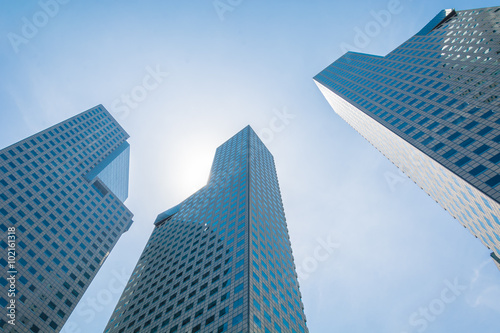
x=468 y=205
x=65 y=226
x=196 y=273
x=436 y=93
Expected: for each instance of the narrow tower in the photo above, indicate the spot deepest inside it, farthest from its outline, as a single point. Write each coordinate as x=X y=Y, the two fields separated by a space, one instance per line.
x=221 y=260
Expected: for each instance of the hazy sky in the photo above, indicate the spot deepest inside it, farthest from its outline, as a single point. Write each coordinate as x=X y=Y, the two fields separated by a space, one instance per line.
x=374 y=252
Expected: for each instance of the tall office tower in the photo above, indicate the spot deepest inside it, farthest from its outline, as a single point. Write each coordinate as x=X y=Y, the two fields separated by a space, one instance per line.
x=430 y=106
x=62 y=193
x=221 y=260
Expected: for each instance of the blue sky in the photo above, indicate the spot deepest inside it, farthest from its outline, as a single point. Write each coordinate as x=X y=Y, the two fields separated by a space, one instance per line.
x=374 y=252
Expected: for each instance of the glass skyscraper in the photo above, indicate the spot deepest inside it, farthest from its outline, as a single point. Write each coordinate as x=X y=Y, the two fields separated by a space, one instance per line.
x=221 y=260
x=61 y=197
x=431 y=107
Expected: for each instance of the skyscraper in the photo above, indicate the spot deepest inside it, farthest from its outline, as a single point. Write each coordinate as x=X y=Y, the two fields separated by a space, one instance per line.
x=62 y=193
x=221 y=260
x=430 y=106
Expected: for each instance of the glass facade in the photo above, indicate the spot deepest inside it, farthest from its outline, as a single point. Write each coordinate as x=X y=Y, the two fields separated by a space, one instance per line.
x=113 y=171
x=66 y=222
x=430 y=106
x=220 y=261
